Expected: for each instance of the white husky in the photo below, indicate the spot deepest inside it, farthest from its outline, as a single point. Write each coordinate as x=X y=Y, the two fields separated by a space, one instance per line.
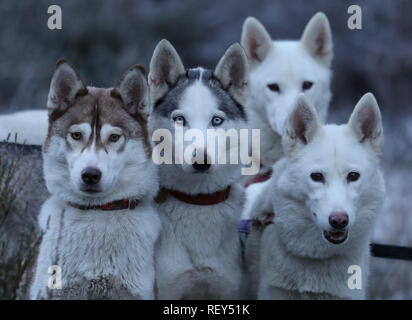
x=325 y=194
x=279 y=72
x=99 y=223
x=198 y=254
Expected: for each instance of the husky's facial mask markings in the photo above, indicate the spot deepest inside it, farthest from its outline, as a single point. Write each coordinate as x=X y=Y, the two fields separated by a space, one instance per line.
x=280 y=70
x=198 y=253
x=93 y=130
x=99 y=223
x=199 y=119
x=198 y=100
x=326 y=193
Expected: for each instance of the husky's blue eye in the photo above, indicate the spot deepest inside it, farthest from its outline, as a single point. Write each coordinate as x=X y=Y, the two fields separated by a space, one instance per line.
x=217 y=121
x=180 y=119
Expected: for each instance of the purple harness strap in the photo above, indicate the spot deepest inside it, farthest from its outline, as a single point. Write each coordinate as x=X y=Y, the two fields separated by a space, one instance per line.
x=243 y=226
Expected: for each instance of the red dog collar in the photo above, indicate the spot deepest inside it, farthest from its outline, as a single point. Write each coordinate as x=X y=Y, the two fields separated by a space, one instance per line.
x=115 y=205
x=201 y=199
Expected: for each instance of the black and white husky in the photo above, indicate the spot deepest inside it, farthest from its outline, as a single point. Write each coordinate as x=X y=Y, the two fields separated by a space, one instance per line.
x=99 y=223
x=198 y=253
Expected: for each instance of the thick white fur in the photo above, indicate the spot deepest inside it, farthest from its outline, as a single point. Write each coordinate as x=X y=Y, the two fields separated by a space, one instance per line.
x=291 y=259
x=198 y=253
x=90 y=245
x=289 y=64
x=30 y=126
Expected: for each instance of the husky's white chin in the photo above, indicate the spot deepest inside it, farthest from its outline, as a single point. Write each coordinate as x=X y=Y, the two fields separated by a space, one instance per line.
x=90 y=191
x=94 y=192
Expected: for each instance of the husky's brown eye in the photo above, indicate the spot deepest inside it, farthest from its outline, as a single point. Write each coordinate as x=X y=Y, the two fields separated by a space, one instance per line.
x=114 y=137
x=274 y=87
x=352 y=176
x=317 y=177
x=76 y=135
x=306 y=85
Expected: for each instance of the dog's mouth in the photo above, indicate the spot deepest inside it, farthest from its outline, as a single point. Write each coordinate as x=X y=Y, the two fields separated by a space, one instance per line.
x=335 y=237
x=89 y=189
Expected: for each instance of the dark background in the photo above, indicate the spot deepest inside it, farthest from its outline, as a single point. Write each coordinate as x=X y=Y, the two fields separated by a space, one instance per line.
x=104 y=38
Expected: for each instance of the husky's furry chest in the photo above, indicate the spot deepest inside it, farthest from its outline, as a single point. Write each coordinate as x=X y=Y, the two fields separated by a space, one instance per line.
x=285 y=275
x=198 y=252
x=101 y=254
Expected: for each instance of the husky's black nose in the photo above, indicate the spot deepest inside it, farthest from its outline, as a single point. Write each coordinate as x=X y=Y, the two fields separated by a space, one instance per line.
x=338 y=220
x=91 y=175
x=201 y=166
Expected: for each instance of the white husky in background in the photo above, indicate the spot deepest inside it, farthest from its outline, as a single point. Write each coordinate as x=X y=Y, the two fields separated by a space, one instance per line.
x=325 y=194
x=99 y=223
x=279 y=72
x=198 y=253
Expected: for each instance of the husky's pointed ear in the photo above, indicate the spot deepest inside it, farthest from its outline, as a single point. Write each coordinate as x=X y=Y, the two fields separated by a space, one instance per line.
x=366 y=122
x=133 y=90
x=317 y=38
x=65 y=86
x=233 y=73
x=255 y=40
x=165 y=69
x=301 y=125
